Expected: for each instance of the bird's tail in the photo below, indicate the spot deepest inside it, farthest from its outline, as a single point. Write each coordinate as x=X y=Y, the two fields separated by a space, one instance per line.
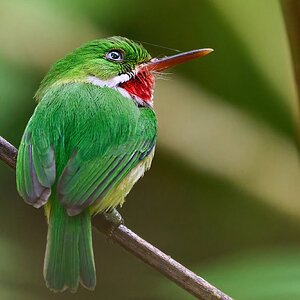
x=69 y=257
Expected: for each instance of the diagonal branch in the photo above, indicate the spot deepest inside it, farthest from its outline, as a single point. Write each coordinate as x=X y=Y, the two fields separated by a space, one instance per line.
x=134 y=244
x=8 y=153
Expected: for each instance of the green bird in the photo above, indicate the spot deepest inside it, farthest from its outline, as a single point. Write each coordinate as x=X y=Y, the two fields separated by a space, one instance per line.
x=90 y=138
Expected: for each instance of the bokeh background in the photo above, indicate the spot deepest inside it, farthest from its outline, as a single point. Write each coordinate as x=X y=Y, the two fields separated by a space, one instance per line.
x=222 y=196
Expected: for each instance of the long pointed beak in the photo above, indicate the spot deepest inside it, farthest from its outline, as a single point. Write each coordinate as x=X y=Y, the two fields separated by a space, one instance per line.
x=160 y=64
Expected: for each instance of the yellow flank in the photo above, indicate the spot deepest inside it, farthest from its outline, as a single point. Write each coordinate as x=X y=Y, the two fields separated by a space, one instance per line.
x=117 y=196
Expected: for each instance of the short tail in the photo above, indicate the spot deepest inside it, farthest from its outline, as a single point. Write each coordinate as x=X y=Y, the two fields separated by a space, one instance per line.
x=69 y=257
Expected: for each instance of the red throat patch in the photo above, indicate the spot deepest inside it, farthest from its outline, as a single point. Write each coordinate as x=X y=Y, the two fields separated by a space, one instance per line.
x=140 y=86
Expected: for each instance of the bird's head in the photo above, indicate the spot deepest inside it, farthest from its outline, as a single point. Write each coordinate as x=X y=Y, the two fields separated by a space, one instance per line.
x=115 y=62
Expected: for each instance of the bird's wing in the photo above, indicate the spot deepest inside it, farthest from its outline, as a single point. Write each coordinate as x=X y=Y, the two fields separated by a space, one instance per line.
x=35 y=167
x=84 y=182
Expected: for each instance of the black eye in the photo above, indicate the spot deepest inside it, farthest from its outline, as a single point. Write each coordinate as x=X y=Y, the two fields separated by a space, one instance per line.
x=114 y=55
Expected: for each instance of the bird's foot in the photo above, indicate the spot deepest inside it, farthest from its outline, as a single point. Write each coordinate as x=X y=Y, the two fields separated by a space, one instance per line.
x=114 y=218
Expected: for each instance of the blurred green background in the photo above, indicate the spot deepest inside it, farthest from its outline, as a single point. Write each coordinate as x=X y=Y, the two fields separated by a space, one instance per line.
x=222 y=196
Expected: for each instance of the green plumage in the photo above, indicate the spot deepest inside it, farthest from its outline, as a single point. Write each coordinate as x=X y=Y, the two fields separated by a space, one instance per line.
x=80 y=144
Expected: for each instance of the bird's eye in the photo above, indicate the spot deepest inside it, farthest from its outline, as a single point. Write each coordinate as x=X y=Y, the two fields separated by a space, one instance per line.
x=114 y=55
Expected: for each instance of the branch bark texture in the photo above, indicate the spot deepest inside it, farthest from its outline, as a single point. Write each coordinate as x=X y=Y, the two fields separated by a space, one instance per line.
x=135 y=245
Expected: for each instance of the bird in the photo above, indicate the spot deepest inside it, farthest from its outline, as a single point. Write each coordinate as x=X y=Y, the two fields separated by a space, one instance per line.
x=91 y=137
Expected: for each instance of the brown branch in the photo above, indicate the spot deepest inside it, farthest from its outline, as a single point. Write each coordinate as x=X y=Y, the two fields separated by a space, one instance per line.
x=8 y=153
x=134 y=244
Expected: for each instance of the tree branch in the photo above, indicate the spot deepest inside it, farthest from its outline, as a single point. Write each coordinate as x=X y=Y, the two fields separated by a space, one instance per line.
x=8 y=153
x=134 y=244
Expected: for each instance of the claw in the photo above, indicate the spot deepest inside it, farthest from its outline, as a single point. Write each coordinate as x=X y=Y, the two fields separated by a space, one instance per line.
x=115 y=219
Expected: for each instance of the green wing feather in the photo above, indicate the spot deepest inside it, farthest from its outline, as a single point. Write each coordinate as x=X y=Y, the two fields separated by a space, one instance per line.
x=84 y=183
x=35 y=167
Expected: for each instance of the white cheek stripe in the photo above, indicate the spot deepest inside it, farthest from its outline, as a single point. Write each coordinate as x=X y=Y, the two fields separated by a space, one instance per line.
x=123 y=92
x=114 y=84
